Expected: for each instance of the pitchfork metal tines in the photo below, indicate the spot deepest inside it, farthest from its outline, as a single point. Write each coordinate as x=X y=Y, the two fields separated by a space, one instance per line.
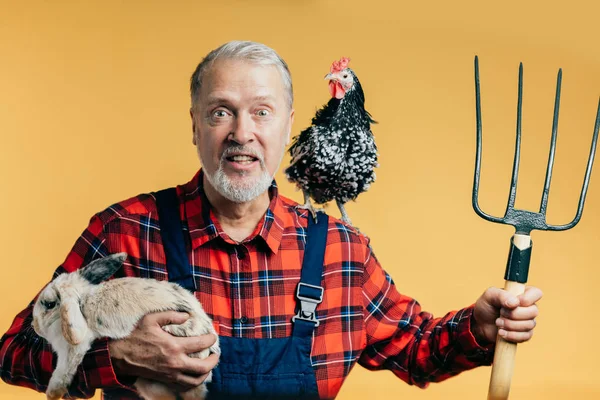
x=524 y=222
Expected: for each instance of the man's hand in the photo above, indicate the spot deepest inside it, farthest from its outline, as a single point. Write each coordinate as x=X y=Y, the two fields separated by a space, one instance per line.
x=497 y=312
x=152 y=353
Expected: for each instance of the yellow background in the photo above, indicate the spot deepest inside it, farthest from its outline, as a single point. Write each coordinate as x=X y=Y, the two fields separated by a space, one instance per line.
x=94 y=109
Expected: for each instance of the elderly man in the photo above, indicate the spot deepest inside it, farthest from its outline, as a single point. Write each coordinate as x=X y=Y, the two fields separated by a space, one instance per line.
x=296 y=303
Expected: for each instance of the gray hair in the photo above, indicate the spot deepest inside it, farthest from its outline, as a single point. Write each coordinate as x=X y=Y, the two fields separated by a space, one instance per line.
x=253 y=52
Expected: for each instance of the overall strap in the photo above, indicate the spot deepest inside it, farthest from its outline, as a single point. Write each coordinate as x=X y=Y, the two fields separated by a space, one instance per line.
x=309 y=293
x=179 y=269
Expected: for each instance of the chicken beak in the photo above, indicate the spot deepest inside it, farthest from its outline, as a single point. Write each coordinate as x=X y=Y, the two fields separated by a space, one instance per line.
x=330 y=76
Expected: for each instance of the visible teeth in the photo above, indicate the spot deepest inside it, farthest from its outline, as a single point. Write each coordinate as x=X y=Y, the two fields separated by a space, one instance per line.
x=242 y=158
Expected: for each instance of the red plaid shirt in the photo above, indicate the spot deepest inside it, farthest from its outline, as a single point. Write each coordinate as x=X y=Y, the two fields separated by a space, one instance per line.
x=248 y=289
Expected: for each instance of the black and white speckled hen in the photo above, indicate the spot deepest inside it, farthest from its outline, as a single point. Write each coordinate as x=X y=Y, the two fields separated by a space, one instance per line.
x=335 y=158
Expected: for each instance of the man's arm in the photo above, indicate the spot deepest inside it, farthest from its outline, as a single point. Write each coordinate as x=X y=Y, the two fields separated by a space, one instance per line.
x=27 y=359
x=421 y=349
x=411 y=343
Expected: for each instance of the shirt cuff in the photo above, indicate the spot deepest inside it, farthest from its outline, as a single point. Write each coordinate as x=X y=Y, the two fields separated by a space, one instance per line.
x=96 y=370
x=481 y=353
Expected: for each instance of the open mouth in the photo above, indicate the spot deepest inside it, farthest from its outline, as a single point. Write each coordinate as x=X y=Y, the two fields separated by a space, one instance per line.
x=241 y=159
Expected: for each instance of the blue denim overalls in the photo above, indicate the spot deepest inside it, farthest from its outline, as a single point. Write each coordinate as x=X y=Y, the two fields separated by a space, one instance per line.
x=278 y=368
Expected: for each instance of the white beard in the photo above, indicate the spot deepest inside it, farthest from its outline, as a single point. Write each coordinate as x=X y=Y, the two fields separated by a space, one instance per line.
x=243 y=190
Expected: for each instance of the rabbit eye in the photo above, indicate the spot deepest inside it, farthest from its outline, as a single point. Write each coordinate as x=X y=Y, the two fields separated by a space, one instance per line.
x=48 y=304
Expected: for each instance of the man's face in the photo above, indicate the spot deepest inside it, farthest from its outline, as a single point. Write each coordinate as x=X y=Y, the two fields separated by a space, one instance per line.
x=241 y=125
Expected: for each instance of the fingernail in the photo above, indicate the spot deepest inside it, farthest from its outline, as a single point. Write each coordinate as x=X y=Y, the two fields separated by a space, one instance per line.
x=502 y=332
x=513 y=301
x=499 y=322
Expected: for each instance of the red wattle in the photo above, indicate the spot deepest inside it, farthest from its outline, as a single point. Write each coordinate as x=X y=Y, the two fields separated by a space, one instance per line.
x=336 y=90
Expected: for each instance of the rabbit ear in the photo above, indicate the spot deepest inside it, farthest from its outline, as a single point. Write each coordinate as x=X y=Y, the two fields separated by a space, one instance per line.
x=74 y=325
x=102 y=269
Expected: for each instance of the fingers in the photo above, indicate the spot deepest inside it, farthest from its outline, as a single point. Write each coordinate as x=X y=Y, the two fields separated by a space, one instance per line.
x=198 y=367
x=186 y=372
x=515 y=326
x=513 y=316
x=520 y=313
x=194 y=344
x=531 y=296
x=500 y=298
x=182 y=383
x=165 y=318
x=187 y=382
x=181 y=347
x=515 y=337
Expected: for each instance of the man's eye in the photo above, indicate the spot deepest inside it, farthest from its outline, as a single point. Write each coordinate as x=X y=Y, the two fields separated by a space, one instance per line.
x=262 y=113
x=219 y=114
x=48 y=304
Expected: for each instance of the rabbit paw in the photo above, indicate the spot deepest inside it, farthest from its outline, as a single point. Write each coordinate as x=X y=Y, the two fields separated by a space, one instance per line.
x=177 y=330
x=198 y=393
x=55 y=393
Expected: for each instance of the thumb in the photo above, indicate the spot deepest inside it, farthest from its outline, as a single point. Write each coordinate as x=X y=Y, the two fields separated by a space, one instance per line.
x=499 y=298
x=167 y=318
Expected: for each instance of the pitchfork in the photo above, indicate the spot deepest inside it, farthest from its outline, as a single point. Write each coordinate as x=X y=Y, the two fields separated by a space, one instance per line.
x=524 y=222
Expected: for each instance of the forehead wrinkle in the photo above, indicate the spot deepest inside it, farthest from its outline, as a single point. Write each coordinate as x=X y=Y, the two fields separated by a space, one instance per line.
x=219 y=98
x=267 y=98
x=235 y=97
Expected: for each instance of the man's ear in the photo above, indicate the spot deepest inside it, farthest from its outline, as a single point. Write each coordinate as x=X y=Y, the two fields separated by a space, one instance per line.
x=193 y=126
x=289 y=133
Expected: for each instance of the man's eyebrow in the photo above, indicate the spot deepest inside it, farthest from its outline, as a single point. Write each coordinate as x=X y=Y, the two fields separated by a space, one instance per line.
x=264 y=98
x=217 y=99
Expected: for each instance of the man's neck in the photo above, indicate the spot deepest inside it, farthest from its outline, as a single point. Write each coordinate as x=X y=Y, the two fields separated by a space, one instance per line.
x=238 y=220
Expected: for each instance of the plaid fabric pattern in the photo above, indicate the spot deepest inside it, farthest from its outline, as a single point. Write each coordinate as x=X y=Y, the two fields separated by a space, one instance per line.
x=249 y=290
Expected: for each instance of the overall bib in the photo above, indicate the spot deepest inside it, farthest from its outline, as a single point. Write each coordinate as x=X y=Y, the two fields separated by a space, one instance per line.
x=278 y=368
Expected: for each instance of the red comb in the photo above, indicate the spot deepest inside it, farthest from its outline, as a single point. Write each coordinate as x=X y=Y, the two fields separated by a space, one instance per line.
x=341 y=65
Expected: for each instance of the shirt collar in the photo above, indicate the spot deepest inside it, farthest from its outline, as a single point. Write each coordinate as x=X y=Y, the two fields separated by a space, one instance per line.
x=204 y=227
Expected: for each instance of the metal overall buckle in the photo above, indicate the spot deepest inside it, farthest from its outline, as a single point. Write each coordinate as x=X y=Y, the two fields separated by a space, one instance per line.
x=308 y=305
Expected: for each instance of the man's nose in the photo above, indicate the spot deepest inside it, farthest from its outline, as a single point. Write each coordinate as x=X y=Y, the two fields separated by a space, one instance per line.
x=243 y=131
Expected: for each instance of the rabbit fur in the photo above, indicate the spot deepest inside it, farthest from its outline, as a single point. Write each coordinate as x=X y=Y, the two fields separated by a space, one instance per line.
x=79 y=307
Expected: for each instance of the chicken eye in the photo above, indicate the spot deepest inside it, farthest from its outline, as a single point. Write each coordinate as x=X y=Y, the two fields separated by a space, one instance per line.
x=48 y=304
x=345 y=76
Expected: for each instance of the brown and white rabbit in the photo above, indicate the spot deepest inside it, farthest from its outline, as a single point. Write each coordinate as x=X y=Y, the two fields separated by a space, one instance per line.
x=79 y=307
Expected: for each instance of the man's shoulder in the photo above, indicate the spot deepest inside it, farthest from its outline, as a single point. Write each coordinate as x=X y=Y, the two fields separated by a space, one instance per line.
x=338 y=230
x=141 y=205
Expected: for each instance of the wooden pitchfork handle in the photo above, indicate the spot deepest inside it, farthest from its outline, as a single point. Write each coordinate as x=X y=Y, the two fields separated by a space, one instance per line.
x=504 y=356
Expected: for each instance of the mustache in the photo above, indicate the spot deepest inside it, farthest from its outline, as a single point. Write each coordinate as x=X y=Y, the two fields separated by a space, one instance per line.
x=235 y=149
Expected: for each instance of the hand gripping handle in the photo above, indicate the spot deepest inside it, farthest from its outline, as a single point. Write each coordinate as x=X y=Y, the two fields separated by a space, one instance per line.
x=504 y=357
